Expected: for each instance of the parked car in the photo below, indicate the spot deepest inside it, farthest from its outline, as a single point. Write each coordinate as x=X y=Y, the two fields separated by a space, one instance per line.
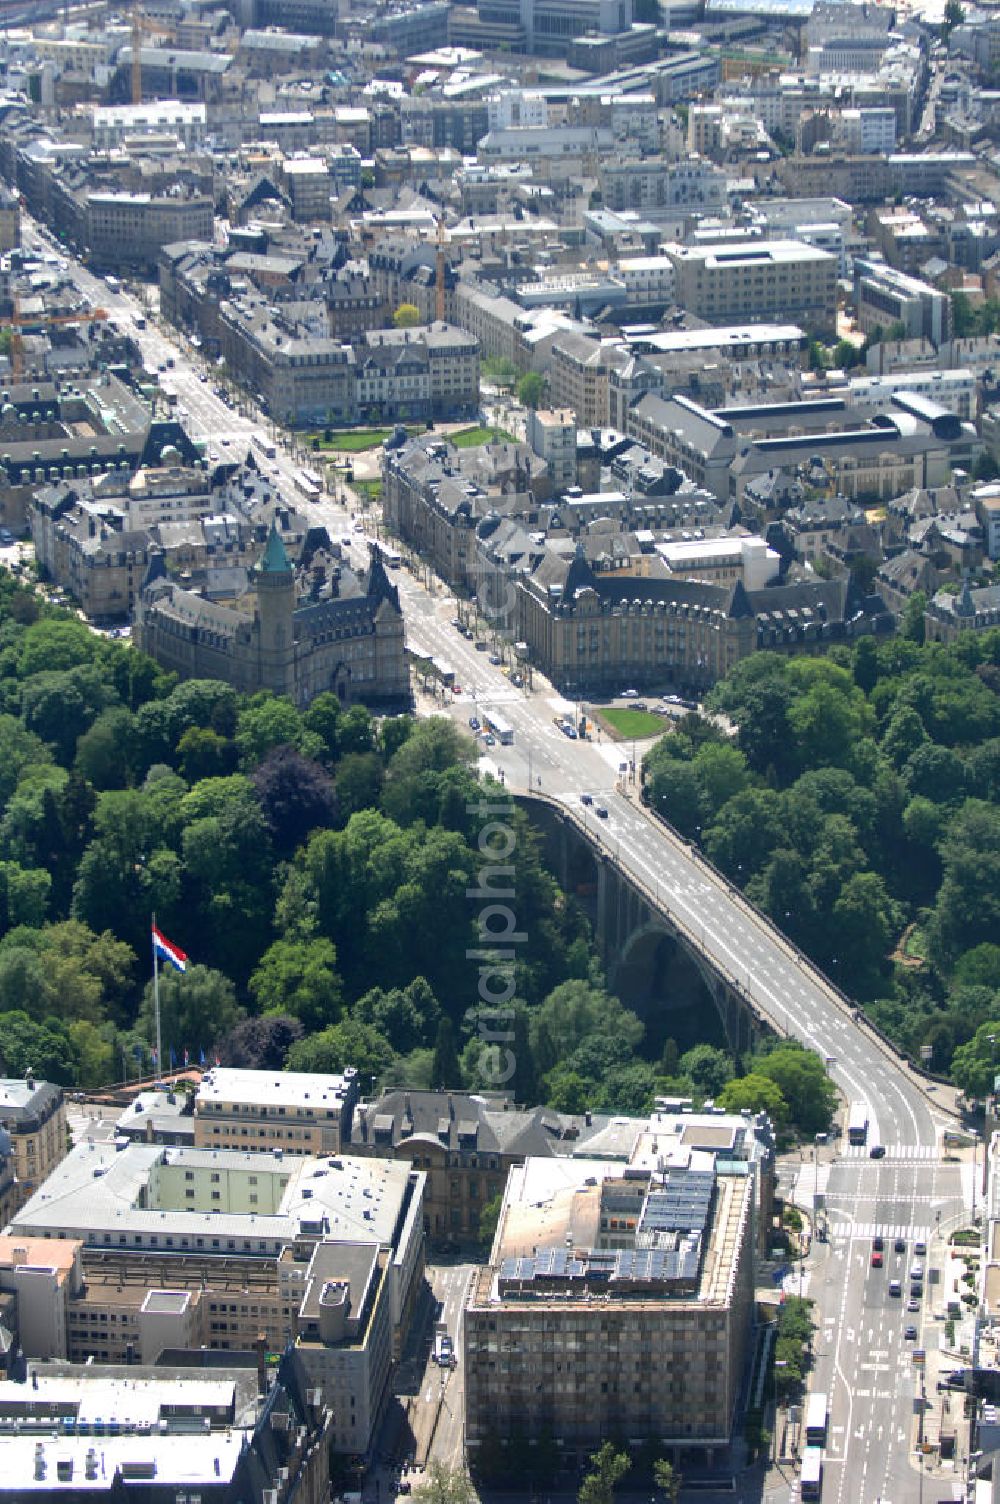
x=473 y=722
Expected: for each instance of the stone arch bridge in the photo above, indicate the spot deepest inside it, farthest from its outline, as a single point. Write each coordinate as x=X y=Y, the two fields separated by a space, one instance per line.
x=652 y=959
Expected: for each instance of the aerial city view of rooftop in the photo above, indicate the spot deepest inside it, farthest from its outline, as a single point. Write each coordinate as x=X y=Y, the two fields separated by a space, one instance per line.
x=500 y=751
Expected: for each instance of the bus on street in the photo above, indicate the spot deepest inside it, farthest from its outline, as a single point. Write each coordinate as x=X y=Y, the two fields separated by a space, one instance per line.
x=498 y=727
x=857 y=1123
x=816 y=1420
x=811 y=1476
x=308 y=484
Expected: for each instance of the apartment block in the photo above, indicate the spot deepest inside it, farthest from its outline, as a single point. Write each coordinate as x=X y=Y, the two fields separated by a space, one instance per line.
x=552 y=436
x=763 y=280
x=884 y=296
x=297 y=1111
x=128 y=230
x=33 y=1115
x=615 y=1303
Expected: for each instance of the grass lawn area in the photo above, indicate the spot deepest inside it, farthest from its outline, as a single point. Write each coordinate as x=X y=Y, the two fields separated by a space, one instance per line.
x=371 y=490
x=473 y=438
x=631 y=723
x=356 y=440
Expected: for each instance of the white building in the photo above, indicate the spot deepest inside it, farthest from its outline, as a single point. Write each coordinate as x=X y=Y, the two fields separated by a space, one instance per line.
x=517 y=107
x=157 y=117
x=869 y=130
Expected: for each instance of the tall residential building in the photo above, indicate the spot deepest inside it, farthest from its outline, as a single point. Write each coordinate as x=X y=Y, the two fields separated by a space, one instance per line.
x=616 y=1302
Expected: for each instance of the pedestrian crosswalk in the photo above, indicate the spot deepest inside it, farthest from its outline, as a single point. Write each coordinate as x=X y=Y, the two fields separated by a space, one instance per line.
x=865 y=1231
x=892 y=1151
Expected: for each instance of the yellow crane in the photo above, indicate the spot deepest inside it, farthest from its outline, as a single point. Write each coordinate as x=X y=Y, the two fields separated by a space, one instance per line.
x=439 y=304
x=141 y=25
x=41 y=321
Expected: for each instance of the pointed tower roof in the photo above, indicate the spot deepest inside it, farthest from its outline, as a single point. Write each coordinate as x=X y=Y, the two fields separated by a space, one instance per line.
x=580 y=576
x=380 y=587
x=739 y=605
x=965 y=605
x=156 y=569
x=274 y=559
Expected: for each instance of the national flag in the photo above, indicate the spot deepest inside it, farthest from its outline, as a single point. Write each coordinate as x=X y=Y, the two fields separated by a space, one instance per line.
x=166 y=951
x=173 y=1059
x=203 y=1057
x=156 y=1058
x=187 y=1056
x=138 y=1052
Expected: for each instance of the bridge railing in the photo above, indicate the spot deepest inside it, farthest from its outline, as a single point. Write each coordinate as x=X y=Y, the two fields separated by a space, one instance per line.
x=756 y=915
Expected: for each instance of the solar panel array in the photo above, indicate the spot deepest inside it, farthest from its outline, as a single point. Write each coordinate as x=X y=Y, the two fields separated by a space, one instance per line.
x=683 y=1204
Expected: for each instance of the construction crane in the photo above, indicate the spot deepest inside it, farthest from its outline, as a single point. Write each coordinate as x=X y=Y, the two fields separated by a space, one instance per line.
x=142 y=24
x=439 y=304
x=41 y=321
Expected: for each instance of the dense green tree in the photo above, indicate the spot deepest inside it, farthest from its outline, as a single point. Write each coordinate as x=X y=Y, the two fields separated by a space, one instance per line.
x=296 y=795
x=299 y=977
x=755 y=1093
x=20 y=750
x=197 y=1008
x=708 y=1068
x=203 y=753
x=967 y=911
x=608 y=1467
x=976 y=1065
x=260 y=1044
x=802 y=1080
x=979 y=967
x=104 y=752
x=665 y=1474
x=531 y=389
x=441 y=1484
x=409 y=1015
x=446 y=1072
x=322 y=718
x=343 y=1044
x=38 y=1045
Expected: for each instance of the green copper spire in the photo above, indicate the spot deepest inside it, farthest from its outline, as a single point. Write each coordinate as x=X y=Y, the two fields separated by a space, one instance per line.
x=274 y=559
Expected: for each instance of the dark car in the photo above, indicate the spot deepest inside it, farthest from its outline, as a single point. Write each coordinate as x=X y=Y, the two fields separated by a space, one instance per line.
x=600 y=812
x=586 y=798
x=910 y=1335
x=877 y=1151
x=878 y=1243
x=900 y=1245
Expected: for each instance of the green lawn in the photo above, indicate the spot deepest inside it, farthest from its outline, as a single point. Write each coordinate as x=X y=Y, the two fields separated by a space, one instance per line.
x=356 y=440
x=371 y=490
x=632 y=723
x=473 y=438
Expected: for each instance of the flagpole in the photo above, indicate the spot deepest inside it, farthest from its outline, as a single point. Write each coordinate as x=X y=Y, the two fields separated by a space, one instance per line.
x=156 y=997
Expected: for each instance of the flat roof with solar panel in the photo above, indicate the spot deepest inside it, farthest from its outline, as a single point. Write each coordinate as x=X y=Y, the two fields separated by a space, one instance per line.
x=665 y=1225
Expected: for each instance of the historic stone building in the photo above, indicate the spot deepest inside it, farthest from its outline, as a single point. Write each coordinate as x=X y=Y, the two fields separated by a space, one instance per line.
x=351 y=644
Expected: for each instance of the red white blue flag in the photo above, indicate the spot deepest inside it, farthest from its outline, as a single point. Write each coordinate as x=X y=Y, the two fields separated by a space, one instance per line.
x=167 y=951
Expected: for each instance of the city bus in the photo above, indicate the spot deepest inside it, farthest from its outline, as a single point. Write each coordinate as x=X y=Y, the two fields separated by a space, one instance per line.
x=308 y=484
x=811 y=1476
x=444 y=671
x=501 y=729
x=857 y=1123
x=816 y=1420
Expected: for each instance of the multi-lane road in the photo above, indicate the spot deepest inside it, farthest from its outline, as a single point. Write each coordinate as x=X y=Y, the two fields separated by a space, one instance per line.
x=863 y=1360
